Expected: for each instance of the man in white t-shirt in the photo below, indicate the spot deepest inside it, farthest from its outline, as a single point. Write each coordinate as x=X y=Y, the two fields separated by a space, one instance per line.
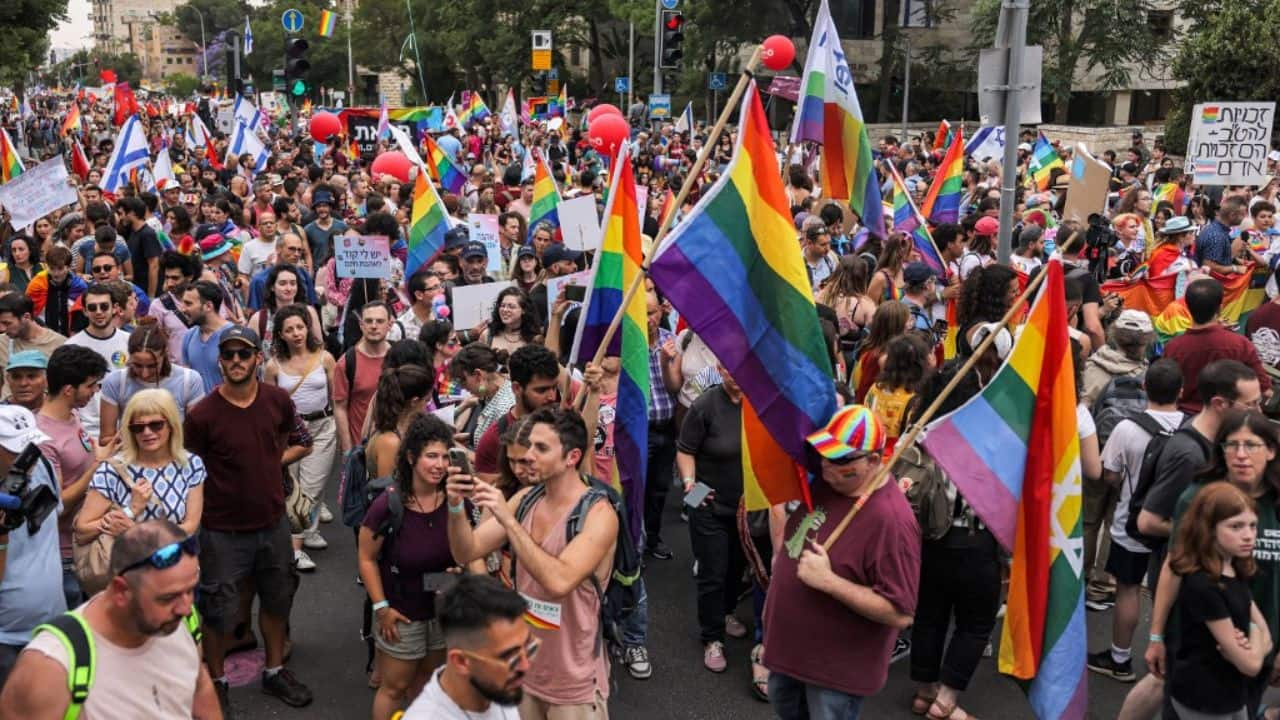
x=257 y=253
x=489 y=648
x=1122 y=466
x=103 y=337
x=1026 y=258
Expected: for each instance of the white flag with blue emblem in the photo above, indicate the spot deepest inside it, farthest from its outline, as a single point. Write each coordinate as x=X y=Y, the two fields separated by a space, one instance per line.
x=246 y=112
x=243 y=141
x=248 y=37
x=131 y=152
x=987 y=143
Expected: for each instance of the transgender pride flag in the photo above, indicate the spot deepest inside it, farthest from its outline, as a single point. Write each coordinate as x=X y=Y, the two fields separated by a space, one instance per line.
x=829 y=113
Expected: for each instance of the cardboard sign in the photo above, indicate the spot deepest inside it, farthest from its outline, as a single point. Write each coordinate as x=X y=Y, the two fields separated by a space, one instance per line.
x=1229 y=142
x=365 y=256
x=484 y=228
x=37 y=192
x=579 y=223
x=556 y=285
x=473 y=304
x=1087 y=191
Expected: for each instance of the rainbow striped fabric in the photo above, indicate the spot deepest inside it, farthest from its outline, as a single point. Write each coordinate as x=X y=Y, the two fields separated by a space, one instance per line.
x=734 y=271
x=829 y=113
x=428 y=222
x=328 y=23
x=1044 y=158
x=942 y=202
x=556 y=105
x=1158 y=298
x=546 y=197
x=618 y=264
x=1165 y=192
x=942 y=137
x=72 y=122
x=10 y=164
x=907 y=219
x=474 y=111
x=441 y=168
x=1013 y=452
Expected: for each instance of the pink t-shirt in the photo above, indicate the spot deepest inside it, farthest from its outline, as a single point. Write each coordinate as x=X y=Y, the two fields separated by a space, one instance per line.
x=70 y=452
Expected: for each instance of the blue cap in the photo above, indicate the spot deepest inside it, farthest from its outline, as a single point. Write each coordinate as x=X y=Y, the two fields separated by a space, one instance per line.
x=27 y=359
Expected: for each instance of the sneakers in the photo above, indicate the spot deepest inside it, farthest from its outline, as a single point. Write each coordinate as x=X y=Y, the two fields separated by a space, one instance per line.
x=325 y=515
x=286 y=687
x=660 y=551
x=734 y=628
x=713 y=656
x=1100 y=604
x=1104 y=664
x=302 y=561
x=636 y=658
x=901 y=649
x=313 y=541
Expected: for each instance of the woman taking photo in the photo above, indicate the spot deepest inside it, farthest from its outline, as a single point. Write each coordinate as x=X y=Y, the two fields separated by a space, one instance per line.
x=514 y=324
x=154 y=476
x=23 y=260
x=283 y=289
x=300 y=366
x=396 y=570
x=148 y=366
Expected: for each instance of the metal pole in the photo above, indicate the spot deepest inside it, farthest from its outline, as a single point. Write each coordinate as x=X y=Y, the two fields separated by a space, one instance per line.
x=657 y=47
x=631 y=67
x=906 y=82
x=1015 y=40
x=351 y=64
x=417 y=56
x=204 y=48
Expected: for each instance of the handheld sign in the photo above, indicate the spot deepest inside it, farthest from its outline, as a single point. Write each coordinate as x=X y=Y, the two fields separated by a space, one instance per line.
x=36 y=193
x=473 y=304
x=365 y=256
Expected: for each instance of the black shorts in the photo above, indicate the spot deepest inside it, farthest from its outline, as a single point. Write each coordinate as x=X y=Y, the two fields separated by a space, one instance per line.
x=1128 y=567
x=227 y=558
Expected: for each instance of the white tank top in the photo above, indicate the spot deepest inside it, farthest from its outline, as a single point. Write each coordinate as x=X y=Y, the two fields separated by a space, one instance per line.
x=313 y=396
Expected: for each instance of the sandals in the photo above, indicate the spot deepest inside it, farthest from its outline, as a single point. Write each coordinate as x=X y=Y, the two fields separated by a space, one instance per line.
x=759 y=674
x=921 y=703
x=947 y=713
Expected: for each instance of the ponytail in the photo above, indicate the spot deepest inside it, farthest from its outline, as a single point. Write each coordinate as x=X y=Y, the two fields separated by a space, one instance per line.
x=395 y=389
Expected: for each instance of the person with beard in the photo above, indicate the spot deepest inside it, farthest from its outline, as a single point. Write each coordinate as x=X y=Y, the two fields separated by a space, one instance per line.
x=200 y=303
x=489 y=648
x=144 y=666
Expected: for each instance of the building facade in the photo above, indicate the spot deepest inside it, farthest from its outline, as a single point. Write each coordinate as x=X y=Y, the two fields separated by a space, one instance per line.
x=133 y=27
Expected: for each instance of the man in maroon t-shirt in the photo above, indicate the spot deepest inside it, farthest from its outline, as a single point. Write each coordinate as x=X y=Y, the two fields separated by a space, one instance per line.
x=1208 y=340
x=535 y=374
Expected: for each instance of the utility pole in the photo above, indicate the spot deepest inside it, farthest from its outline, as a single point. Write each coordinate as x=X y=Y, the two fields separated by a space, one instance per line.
x=351 y=65
x=1012 y=34
x=657 y=47
x=631 y=68
x=906 y=80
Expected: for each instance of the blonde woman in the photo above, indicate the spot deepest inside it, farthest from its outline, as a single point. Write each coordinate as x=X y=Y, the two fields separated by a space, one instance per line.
x=152 y=477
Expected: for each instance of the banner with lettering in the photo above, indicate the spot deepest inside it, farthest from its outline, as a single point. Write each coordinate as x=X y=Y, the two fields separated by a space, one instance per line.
x=1229 y=142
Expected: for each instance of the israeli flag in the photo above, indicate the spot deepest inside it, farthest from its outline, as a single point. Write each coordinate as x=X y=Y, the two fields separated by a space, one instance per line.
x=243 y=140
x=246 y=112
x=987 y=143
x=248 y=37
x=131 y=152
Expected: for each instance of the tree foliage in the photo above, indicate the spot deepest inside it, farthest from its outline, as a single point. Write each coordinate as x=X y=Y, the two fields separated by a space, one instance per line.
x=218 y=15
x=84 y=66
x=24 y=36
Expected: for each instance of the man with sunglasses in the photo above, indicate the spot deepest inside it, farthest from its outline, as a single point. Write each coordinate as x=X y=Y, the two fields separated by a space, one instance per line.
x=24 y=332
x=103 y=337
x=143 y=664
x=489 y=647
x=241 y=430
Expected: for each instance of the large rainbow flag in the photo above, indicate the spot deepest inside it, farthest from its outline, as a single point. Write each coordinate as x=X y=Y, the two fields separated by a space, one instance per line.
x=1044 y=158
x=619 y=263
x=546 y=197
x=733 y=270
x=1013 y=452
x=1159 y=298
x=829 y=113
x=474 y=111
x=72 y=122
x=10 y=164
x=907 y=219
x=942 y=202
x=441 y=168
x=428 y=223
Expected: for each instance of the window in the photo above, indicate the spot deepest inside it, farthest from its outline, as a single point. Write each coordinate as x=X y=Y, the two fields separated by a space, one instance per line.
x=855 y=19
x=1161 y=24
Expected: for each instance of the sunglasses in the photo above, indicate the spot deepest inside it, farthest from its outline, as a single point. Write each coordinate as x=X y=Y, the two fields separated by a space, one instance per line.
x=97 y=307
x=529 y=652
x=102 y=268
x=169 y=555
x=236 y=353
x=154 y=426
x=848 y=459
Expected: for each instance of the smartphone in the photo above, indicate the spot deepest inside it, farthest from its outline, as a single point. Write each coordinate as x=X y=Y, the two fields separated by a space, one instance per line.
x=574 y=293
x=439 y=582
x=940 y=328
x=458 y=458
x=698 y=495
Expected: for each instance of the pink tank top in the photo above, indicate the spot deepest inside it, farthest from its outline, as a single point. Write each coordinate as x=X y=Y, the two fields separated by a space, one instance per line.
x=568 y=669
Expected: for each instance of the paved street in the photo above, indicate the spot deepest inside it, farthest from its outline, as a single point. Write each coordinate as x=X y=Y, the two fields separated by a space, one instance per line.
x=329 y=657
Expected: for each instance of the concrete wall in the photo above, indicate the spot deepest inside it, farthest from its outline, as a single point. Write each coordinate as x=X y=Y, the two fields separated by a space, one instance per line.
x=1097 y=139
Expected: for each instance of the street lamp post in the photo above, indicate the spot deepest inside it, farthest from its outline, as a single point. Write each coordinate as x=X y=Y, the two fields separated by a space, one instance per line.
x=204 y=49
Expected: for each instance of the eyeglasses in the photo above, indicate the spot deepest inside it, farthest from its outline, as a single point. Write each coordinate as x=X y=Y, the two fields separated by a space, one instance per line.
x=97 y=307
x=528 y=652
x=848 y=459
x=1250 y=446
x=169 y=555
x=234 y=353
x=154 y=426
x=102 y=268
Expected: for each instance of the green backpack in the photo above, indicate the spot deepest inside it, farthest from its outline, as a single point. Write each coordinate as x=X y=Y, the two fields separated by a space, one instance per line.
x=73 y=631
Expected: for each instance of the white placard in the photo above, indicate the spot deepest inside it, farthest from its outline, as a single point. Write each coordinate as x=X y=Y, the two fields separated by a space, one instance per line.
x=580 y=223
x=1229 y=141
x=642 y=202
x=362 y=256
x=37 y=192
x=484 y=228
x=445 y=413
x=473 y=304
x=556 y=285
x=225 y=120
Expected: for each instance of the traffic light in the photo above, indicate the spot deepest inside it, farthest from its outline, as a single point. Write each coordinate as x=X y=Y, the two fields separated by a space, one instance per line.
x=539 y=84
x=296 y=66
x=672 y=40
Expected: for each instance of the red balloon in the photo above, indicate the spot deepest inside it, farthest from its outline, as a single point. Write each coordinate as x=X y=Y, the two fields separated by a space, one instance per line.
x=607 y=133
x=324 y=126
x=392 y=163
x=602 y=109
x=778 y=53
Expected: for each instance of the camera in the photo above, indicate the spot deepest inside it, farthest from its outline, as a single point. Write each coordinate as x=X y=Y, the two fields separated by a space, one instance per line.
x=21 y=502
x=1099 y=239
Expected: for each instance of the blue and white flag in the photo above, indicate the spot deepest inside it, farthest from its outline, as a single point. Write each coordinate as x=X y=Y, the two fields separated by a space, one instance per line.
x=684 y=123
x=244 y=140
x=131 y=152
x=246 y=112
x=987 y=143
x=509 y=118
x=248 y=37
x=384 y=122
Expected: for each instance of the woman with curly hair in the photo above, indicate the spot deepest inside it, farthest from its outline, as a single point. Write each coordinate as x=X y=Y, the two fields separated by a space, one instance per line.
x=887 y=284
x=514 y=322
x=986 y=296
x=845 y=292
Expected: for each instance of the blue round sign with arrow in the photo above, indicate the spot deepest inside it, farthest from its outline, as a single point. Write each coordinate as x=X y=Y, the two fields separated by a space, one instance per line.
x=291 y=20
x=670 y=4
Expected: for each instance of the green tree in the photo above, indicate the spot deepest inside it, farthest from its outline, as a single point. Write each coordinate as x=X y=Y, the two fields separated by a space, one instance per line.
x=181 y=85
x=218 y=16
x=24 y=36
x=85 y=65
x=1110 y=37
x=1229 y=54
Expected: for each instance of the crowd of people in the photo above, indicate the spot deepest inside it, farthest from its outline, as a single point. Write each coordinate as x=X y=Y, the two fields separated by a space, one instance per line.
x=186 y=371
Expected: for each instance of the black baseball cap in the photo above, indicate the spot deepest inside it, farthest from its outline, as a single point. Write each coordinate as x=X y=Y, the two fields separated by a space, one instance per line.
x=475 y=248
x=240 y=333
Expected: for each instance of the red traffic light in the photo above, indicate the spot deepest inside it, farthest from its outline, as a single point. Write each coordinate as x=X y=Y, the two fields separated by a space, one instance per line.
x=674 y=21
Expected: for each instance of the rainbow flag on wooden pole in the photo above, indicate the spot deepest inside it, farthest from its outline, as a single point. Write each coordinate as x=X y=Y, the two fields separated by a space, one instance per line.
x=10 y=164
x=942 y=202
x=428 y=223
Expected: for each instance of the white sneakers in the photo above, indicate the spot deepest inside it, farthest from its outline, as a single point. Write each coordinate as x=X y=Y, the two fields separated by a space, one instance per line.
x=325 y=515
x=313 y=541
x=303 y=562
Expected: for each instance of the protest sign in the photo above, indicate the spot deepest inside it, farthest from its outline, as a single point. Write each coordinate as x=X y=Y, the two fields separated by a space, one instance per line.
x=473 y=304
x=364 y=256
x=36 y=193
x=579 y=223
x=484 y=229
x=642 y=202
x=556 y=285
x=225 y=120
x=1087 y=192
x=1229 y=141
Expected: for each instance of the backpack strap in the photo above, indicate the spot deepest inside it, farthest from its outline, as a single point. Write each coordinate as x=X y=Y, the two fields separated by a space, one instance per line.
x=73 y=632
x=1149 y=425
x=350 y=369
x=523 y=508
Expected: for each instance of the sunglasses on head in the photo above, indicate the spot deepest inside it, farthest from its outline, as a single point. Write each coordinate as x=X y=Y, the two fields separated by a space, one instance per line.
x=97 y=307
x=169 y=555
x=154 y=426
x=103 y=268
x=233 y=353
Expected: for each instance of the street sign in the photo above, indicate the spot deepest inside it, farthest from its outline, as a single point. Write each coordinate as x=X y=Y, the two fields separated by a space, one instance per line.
x=277 y=80
x=717 y=81
x=553 y=74
x=993 y=69
x=670 y=4
x=541 y=50
x=553 y=86
x=660 y=107
x=541 y=60
x=622 y=84
x=292 y=20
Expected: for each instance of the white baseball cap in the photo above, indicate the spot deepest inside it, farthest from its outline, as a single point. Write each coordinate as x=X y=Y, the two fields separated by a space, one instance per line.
x=18 y=428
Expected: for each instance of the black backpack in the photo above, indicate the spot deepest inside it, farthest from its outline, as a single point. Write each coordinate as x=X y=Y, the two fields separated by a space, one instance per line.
x=619 y=598
x=1122 y=399
x=1147 y=477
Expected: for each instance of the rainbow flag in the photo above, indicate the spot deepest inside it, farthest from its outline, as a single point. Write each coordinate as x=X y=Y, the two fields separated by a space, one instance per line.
x=942 y=202
x=1044 y=158
x=733 y=270
x=1014 y=454
x=428 y=222
x=907 y=219
x=619 y=263
x=10 y=164
x=546 y=197
x=72 y=122
x=829 y=113
x=474 y=111
x=1211 y=114
x=328 y=23
x=556 y=105
x=442 y=168
x=1158 y=297
x=1165 y=192
x=668 y=207
x=942 y=137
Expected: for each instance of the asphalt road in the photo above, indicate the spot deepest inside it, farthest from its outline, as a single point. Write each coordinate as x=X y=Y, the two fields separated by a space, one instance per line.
x=329 y=657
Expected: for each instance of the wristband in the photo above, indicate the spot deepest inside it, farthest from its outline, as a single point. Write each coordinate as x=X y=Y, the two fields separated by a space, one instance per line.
x=688 y=480
x=1156 y=637
x=128 y=512
x=380 y=604
x=455 y=509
